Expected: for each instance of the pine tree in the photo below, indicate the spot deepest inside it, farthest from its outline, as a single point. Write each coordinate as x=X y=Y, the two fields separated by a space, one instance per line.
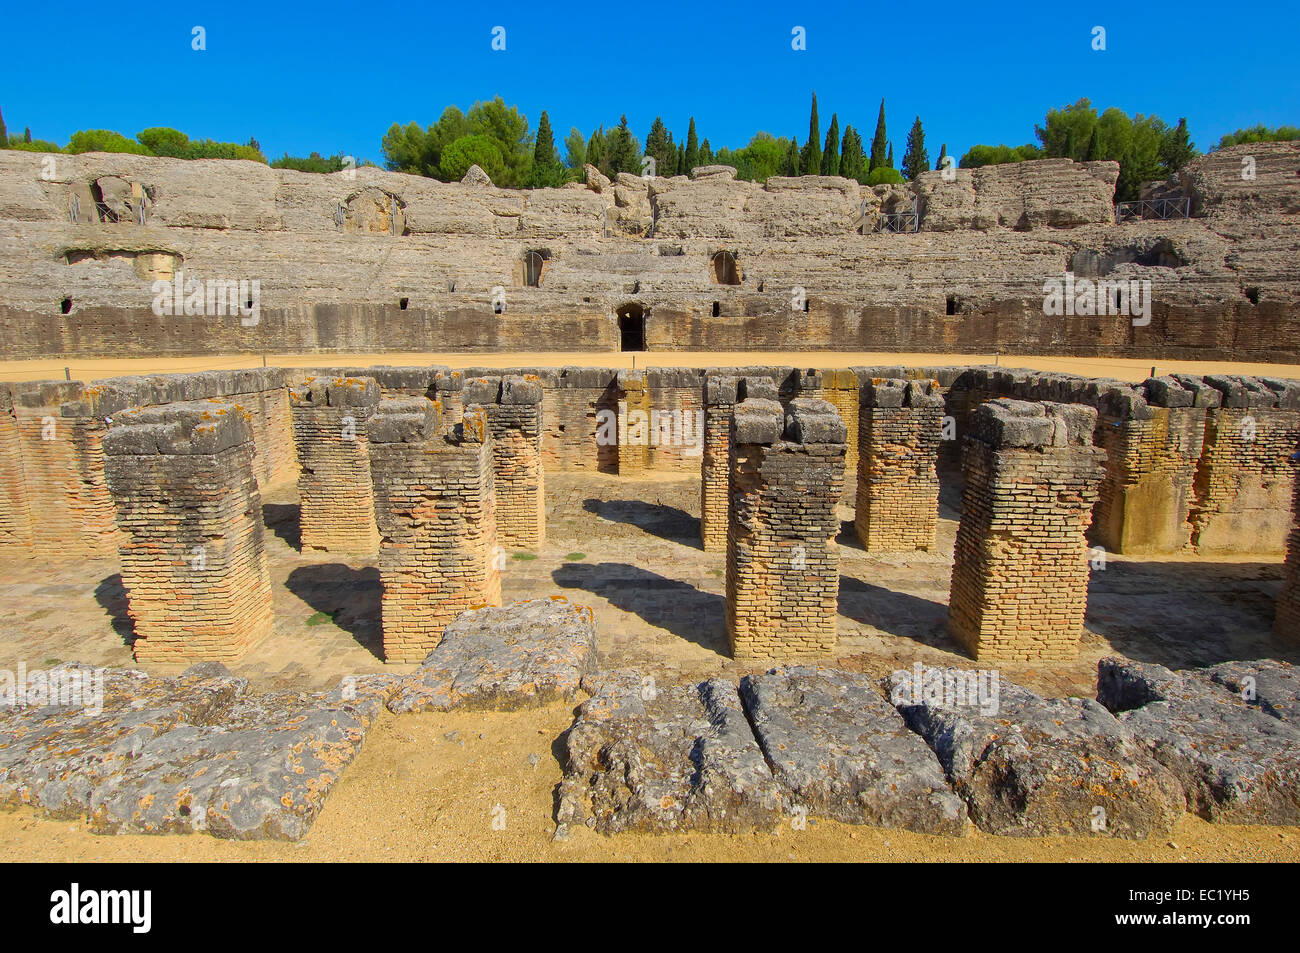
x=546 y=165
x=1176 y=148
x=879 y=143
x=27 y=135
x=889 y=159
x=915 y=159
x=706 y=153
x=1070 y=145
x=851 y=157
x=681 y=160
x=659 y=146
x=810 y=161
x=943 y=154
x=790 y=162
x=831 y=154
x=4 y=135
x=692 y=148
x=1094 y=146
x=622 y=150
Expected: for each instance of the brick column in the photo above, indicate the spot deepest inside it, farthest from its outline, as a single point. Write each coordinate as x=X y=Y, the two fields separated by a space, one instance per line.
x=436 y=513
x=15 y=511
x=337 y=510
x=633 y=423
x=1020 y=568
x=787 y=474
x=192 y=554
x=1244 y=479
x=721 y=394
x=514 y=418
x=899 y=426
x=1152 y=447
x=448 y=387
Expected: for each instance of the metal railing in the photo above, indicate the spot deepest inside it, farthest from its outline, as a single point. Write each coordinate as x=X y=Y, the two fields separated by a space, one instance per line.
x=1153 y=208
x=898 y=222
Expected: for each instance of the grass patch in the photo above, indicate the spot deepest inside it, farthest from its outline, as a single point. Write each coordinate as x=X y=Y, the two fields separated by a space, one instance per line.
x=575 y=557
x=524 y=556
x=51 y=661
x=320 y=618
x=716 y=572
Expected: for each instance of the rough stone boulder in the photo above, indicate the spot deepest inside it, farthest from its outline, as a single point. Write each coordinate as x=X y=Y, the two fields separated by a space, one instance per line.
x=475 y=176
x=504 y=658
x=713 y=172
x=838 y=749
x=196 y=752
x=597 y=181
x=1224 y=737
x=668 y=759
x=1041 y=193
x=1031 y=766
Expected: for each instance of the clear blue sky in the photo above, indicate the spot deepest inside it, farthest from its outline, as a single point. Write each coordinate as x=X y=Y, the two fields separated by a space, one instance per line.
x=332 y=77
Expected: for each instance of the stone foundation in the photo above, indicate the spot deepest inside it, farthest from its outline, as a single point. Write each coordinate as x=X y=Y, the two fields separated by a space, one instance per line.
x=787 y=475
x=1020 y=568
x=435 y=507
x=899 y=426
x=192 y=552
x=336 y=499
x=514 y=418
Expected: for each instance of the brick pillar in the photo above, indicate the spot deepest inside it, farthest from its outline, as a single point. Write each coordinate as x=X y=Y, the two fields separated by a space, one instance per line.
x=1286 y=623
x=435 y=506
x=1152 y=448
x=721 y=394
x=633 y=423
x=787 y=474
x=900 y=424
x=839 y=387
x=1020 y=567
x=514 y=418
x=15 y=511
x=1244 y=479
x=192 y=554
x=448 y=387
x=337 y=509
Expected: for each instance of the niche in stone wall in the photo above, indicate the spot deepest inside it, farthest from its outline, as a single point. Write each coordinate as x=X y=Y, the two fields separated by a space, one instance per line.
x=723 y=269
x=117 y=199
x=1091 y=263
x=372 y=212
x=531 y=267
x=148 y=264
x=631 y=327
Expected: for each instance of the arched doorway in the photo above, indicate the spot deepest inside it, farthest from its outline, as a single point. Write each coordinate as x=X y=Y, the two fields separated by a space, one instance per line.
x=631 y=327
x=724 y=269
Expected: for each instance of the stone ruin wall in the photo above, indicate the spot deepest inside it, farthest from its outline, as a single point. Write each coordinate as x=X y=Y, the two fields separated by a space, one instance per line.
x=385 y=261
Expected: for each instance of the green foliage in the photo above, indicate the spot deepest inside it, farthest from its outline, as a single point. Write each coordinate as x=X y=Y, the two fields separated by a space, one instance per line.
x=681 y=159
x=4 y=133
x=1093 y=152
x=1176 y=149
x=575 y=149
x=706 y=153
x=692 y=149
x=879 y=143
x=659 y=146
x=36 y=145
x=622 y=150
x=480 y=150
x=978 y=156
x=1259 y=133
x=596 y=149
x=853 y=163
x=162 y=141
x=810 y=161
x=103 y=140
x=831 y=152
x=548 y=171
x=312 y=163
x=943 y=154
x=790 y=164
x=762 y=158
x=885 y=175
x=420 y=151
x=915 y=159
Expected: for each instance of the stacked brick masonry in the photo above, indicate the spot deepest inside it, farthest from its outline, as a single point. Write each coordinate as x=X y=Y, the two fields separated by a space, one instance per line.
x=514 y=419
x=900 y=424
x=1020 y=567
x=15 y=509
x=192 y=553
x=434 y=503
x=336 y=499
x=782 y=559
x=1286 y=624
x=1244 y=479
x=721 y=394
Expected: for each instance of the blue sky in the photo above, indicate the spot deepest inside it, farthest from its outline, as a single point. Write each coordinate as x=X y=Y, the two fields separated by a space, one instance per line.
x=332 y=77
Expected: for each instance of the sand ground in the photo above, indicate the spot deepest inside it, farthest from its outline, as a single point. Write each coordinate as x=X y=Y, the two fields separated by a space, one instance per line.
x=424 y=787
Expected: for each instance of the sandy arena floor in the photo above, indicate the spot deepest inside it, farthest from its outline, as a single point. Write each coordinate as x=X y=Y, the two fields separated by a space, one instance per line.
x=424 y=786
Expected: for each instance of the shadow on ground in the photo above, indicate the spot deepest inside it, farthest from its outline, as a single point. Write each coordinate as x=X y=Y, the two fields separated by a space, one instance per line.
x=111 y=595
x=283 y=519
x=896 y=613
x=350 y=597
x=669 y=604
x=658 y=519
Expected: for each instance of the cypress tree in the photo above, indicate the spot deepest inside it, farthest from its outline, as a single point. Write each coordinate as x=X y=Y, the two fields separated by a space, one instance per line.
x=4 y=135
x=831 y=154
x=622 y=150
x=1176 y=148
x=943 y=154
x=1094 y=146
x=546 y=166
x=879 y=143
x=915 y=159
x=889 y=159
x=659 y=146
x=692 y=148
x=596 y=149
x=790 y=162
x=851 y=157
x=27 y=135
x=810 y=161
x=681 y=160
x=706 y=153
